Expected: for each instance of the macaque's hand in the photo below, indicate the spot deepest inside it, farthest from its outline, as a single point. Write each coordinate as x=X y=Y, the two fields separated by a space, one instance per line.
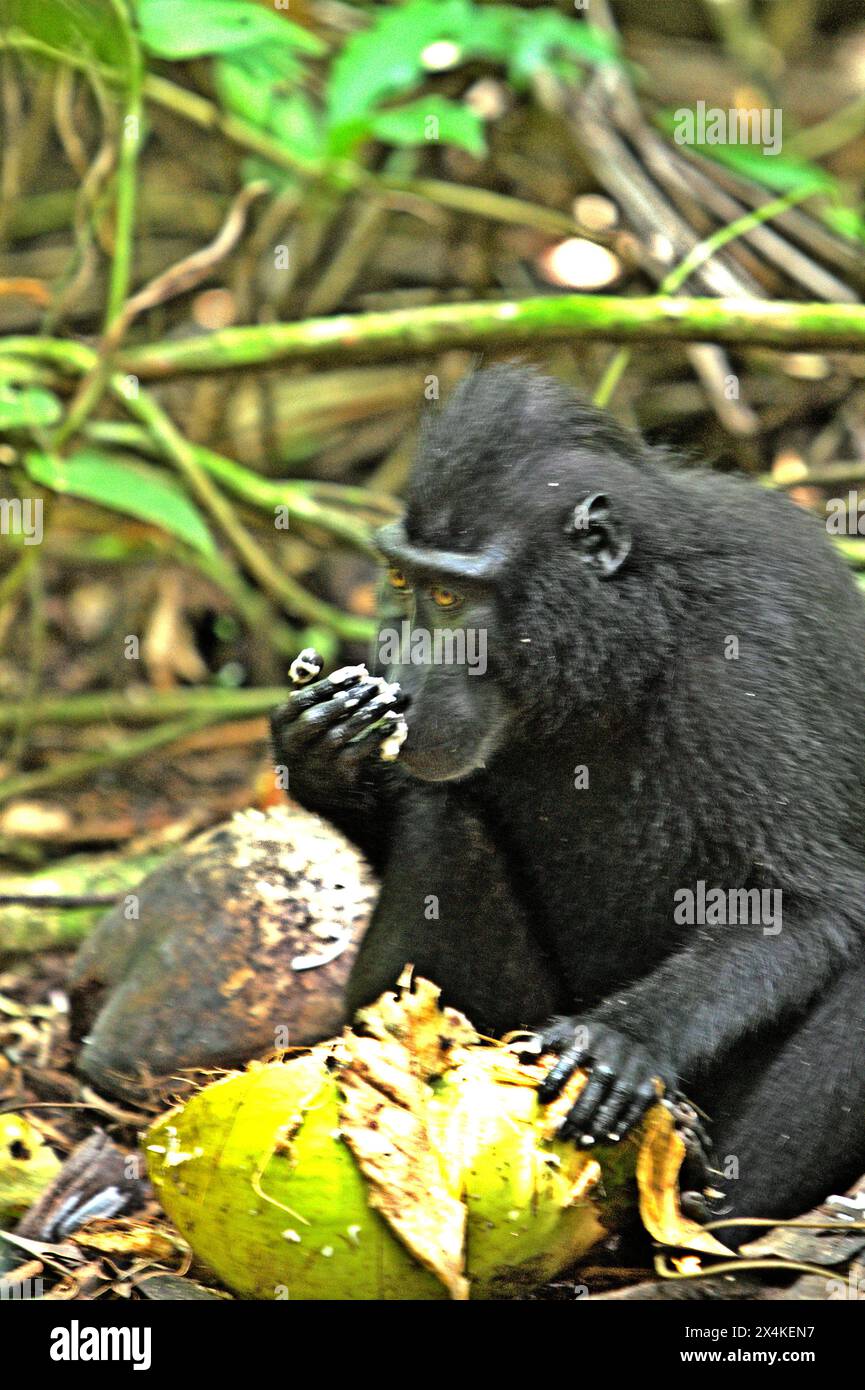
x=624 y=1078
x=317 y=734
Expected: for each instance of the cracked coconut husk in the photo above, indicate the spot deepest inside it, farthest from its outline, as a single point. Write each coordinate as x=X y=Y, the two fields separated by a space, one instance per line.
x=244 y=936
x=407 y=1158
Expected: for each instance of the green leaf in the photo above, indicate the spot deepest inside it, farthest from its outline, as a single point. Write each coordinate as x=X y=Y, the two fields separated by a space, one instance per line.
x=191 y=28
x=297 y=125
x=91 y=31
x=251 y=85
x=123 y=484
x=545 y=35
x=246 y=84
x=776 y=171
x=846 y=221
x=386 y=58
x=410 y=125
x=28 y=407
x=782 y=172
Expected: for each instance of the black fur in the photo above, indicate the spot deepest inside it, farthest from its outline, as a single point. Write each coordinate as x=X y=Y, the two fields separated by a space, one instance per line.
x=742 y=773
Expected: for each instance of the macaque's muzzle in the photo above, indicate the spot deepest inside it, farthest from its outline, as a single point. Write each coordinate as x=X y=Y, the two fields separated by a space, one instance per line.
x=454 y=723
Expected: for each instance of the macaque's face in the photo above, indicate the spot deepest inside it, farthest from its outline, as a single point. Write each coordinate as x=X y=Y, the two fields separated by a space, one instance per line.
x=434 y=642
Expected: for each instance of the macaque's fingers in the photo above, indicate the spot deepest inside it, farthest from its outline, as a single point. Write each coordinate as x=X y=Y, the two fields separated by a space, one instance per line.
x=299 y=734
x=608 y=1122
x=320 y=691
x=577 y=1125
x=324 y=720
x=373 y=709
x=697 y=1166
x=687 y=1117
x=697 y=1171
x=557 y=1036
x=641 y=1097
x=361 y=747
x=697 y=1207
x=285 y=718
x=559 y=1073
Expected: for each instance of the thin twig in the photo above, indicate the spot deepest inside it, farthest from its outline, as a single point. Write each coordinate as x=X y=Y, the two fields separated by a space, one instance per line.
x=785 y=324
x=153 y=707
x=291 y=595
x=87 y=764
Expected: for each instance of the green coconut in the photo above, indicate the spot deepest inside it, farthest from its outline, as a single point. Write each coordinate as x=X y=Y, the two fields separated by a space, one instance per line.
x=252 y=1172
x=406 y=1161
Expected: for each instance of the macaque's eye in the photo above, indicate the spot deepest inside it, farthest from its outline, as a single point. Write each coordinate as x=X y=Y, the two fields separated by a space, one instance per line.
x=397 y=580
x=444 y=598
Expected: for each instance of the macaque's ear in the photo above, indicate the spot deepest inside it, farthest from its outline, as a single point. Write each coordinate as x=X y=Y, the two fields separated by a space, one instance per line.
x=601 y=540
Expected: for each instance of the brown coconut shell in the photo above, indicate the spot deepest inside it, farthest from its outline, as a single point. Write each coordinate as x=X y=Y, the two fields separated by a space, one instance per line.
x=241 y=946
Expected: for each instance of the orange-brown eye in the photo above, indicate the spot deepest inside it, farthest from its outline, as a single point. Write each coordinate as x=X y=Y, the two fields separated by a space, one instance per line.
x=397 y=579
x=444 y=598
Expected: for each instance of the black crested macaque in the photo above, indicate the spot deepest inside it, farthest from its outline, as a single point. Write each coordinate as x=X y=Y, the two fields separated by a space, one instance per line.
x=643 y=810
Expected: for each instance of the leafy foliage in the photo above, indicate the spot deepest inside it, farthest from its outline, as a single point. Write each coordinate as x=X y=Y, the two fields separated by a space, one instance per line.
x=259 y=67
x=785 y=172
x=86 y=31
x=27 y=407
x=410 y=124
x=125 y=485
x=197 y=27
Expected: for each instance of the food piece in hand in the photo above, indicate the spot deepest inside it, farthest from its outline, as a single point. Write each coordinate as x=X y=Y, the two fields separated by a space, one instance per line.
x=305 y=667
x=394 y=738
x=389 y=722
